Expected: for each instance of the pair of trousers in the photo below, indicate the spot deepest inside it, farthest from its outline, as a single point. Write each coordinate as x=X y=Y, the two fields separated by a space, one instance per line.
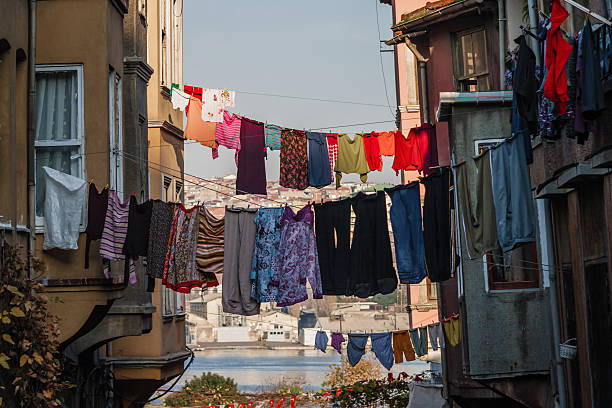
x=512 y=196
x=452 y=328
x=371 y=261
x=407 y=232
x=402 y=348
x=479 y=219
x=438 y=235
x=239 y=239
x=333 y=235
x=419 y=340
x=436 y=337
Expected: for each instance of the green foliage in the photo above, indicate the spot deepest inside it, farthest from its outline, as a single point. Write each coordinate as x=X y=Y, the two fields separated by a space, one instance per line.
x=29 y=367
x=373 y=393
x=206 y=389
x=285 y=386
x=386 y=300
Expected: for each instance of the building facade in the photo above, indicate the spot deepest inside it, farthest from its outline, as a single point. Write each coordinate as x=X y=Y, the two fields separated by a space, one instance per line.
x=518 y=309
x=75 y=78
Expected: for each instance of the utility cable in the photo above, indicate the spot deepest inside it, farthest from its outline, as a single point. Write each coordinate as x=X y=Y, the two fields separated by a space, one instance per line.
x=382 y=67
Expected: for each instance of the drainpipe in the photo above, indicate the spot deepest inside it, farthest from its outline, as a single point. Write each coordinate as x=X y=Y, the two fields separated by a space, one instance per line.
x=422 y=79
x=31 y=129
x=533 y=27
x=554 y=307
x=501 y=9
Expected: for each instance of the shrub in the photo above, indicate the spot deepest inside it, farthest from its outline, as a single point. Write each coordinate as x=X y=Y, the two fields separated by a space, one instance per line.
x=29 y=367
x=208 y=388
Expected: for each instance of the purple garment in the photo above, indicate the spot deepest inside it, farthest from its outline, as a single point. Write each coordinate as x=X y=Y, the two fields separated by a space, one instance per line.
x=336 y=341
x=297 y=259
x=251 y=178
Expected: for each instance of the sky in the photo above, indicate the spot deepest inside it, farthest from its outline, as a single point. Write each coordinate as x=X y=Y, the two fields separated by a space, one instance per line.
x=315 y=49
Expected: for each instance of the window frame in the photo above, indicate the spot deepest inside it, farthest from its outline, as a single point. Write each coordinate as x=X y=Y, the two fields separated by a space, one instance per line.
x=458 y=56
x=80 y=141
x=493 y=286
x=115 y=122
x=168 y=295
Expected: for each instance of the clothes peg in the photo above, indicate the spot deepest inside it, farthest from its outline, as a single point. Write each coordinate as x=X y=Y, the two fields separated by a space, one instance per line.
x=107 y=186
x=91 y=180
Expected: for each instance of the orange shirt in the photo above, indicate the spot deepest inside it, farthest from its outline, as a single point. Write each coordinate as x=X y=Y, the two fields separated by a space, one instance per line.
x=197 y=129
x=386 y=143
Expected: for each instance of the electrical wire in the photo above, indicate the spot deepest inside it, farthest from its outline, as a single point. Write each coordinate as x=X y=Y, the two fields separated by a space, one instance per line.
x=313 y=99
x=382 y=66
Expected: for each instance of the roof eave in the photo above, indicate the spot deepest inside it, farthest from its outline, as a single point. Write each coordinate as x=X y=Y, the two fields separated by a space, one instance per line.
x=434 y=16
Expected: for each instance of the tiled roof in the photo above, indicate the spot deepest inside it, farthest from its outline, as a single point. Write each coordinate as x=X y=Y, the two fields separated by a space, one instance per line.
x=428 y=8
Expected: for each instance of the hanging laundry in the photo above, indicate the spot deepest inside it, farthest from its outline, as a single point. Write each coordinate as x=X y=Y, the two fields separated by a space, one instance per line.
x=174 y=87
x=386 y=142
x=183 y=275
x=180 y=100
x=414 y=336
x=436 y=337
x=321 y=341
x=512 y=196
x=573 y=107
x=381 y=346
x=557 y=52
x=319 y=170
x=478 y=219
x=591 y=98
x=293 y=159
x=355 y=348
x=210 y=248
x=372 y=151
x=64 y=205
x=427 y=147
x=407 y=155
x=333 y=234
x=520 y=128
x=240 y=231
x=198 y=130
x=267 y=242
x=297 y=259
x=177 y=221
x=351 y=158
x=139 y=223
x=336 y=341
x=273 y=136
x=214 y=103
x=193 y=91
x=452 y=328
x=251 y=176
x=371 y=263
x=525 y=85
x=438 y=234
x=332 y=146
x=162 y=216
x=227 y=134
x=402 y=348
x=407 y=228
x=113 y=236
x=96 y=213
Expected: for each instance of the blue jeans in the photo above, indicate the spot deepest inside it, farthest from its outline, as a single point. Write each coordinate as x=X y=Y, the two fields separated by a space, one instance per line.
x=407 y=232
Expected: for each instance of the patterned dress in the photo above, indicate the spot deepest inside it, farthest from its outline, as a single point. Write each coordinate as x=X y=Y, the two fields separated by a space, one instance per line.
x=293 y=159
x=267 y=241
x=297 y=259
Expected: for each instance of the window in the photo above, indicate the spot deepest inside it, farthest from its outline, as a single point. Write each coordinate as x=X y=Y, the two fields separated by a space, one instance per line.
x=180 y=303
x=516 y=269
x=169 y=301
x=172 y=189
x=167 y=189
x=59 y=141
x=471 y=67
x=115 y=113
x=178 y=187
x=432 y=291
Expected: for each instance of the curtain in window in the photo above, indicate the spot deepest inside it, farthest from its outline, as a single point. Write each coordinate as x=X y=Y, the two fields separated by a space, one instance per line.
x=56 y=124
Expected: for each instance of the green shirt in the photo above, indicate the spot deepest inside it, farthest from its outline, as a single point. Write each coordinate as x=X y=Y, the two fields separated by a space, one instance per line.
x=351 y=158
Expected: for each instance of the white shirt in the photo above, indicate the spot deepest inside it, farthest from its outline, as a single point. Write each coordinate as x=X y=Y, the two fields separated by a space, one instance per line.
x=179 y=99
x=214 y=102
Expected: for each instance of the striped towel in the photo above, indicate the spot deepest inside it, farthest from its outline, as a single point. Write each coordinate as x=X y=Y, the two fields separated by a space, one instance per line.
x=114 y=233
x=273 y=136
x=228 y=133
x=210 y=247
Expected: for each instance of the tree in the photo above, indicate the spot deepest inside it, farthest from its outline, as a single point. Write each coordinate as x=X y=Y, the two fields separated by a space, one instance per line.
x=345 y=374
x=386 y=300
x=29 y=366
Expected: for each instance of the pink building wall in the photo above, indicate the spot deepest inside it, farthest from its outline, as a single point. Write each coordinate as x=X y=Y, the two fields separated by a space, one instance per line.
x=423 y=307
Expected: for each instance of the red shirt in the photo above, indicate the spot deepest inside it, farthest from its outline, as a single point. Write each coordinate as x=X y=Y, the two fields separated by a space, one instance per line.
x=557 y=53
x=427 y=146
x=372 y=151
x=406 y=153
